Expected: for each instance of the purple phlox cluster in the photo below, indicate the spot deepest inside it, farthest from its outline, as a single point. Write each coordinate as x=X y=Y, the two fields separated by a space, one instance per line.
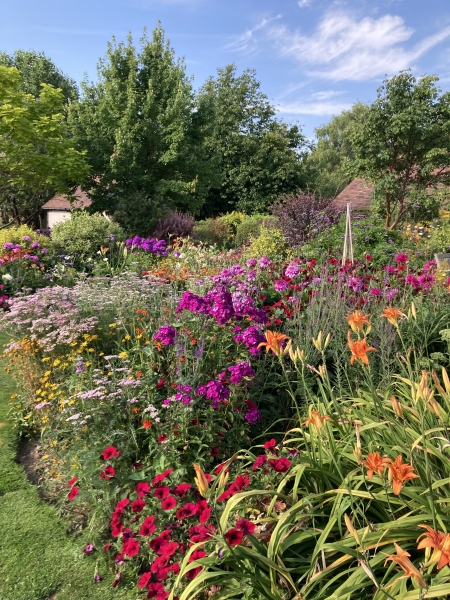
x=220 y=304
x=429 y=266
x=239 y=371
x=148 y=245
x=192 y=302
x=35 y=245
x=375 y=291
x=355 y=284
x=245 y=306
x=214 y=390
x=391 y=293
x=280 y=285
x=401 y=258
x=292 y=270
x=166 y=334
x=264 y=262
x=26 y=238
x=251 y=263
x=391 y=270
x=251 y=337
x=182 y=394
x=253 y=416
x=227 y=276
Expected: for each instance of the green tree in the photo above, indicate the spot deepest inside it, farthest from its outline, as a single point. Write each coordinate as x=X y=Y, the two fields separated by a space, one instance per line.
x=402 y=147
x=35 y=151
x=327 y=162
x=144 y=134
x=37 y=68
x=260 y=157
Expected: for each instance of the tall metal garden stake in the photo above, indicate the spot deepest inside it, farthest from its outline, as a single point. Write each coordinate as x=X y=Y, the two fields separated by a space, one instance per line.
x=348 y=244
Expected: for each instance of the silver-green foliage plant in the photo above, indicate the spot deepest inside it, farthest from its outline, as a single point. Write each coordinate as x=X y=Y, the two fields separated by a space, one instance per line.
x=84 y=233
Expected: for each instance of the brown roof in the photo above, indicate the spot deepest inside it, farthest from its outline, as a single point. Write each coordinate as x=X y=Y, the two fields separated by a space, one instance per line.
x=358 y=193
x=62 y=203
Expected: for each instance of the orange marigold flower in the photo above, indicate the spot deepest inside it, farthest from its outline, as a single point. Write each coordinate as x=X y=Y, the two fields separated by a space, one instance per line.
x=399 y=472
x=147 y=424
x=274 y=341
x=359 y=349
x=357 y=320
x=402 y=559
x=375 y=463
x=392 y=315
x=439 y=541
x=317 y=420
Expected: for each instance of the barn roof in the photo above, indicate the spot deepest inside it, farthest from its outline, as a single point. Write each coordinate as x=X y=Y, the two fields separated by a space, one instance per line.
x=61 y=202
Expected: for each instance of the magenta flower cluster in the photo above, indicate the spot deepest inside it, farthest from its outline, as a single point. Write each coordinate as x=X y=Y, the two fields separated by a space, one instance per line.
x=166 y=334
x=152 y=245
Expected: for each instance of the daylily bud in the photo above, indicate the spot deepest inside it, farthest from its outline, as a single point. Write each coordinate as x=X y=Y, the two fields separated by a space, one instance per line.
x=322 y=371
x=351 y=529
x=224 y=475
x=201 y=482
x=413 y=310
x=318 y=342
x=396 y=406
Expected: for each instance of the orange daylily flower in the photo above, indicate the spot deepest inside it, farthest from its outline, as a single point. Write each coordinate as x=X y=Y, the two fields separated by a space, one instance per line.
x=359 y=349
x=274 y=340
x=402 y=559
x=439 y=541
x=317 y=420
x=399 y=472
x=357 y=320
x=375 y=463
x=392 y=315
x=201 y=481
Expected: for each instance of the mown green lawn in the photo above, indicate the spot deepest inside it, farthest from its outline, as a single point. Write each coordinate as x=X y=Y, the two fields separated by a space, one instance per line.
x=38 y=559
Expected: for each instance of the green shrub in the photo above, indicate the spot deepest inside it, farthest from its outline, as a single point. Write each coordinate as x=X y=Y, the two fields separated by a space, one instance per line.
x=16 y=234
x=233 y=220
x=440 y=239
x=212 y=231
x=270 y=242
x=250 y=227
x=84 y=233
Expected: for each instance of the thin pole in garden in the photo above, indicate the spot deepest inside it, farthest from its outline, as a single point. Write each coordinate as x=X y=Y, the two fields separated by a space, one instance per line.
x=348 y=244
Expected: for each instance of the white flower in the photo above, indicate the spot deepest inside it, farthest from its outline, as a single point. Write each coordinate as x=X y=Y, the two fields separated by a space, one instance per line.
x=6 y=277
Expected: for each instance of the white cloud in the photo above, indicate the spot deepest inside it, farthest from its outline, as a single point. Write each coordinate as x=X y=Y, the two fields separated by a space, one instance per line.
x=313 y=108
x=345 y=48
x=247 y=42
x=303 y=3
x=326 y=95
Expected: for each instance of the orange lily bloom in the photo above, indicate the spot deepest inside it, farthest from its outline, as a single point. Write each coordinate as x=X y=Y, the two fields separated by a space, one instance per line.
x=392 y=315
x=399 y=472
x=201 y=481
x=359 y=349
x=357 y=320
x=274 y=340
x=317 y=420
x=375 y=464
x=439 y=541
x=402 y=559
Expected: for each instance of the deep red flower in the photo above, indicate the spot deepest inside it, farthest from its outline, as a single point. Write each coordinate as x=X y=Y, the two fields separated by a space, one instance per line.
x=260 y=460
x=117 y=579
x=110 y=452
x=205 y=515
x=233 y=537
x=270 y=444
x=227 y=494
x=197 y=554
x=161 y=476
x=247 y=527
x=218 y=470
x=106 y=547
x=138 y=505
x=144 y=580
x=161 y=492
x=250 y=404
x=169 y=550
x=148 y=526
x=182 y=489
x=240 y=482
x=208 y=477
x=168 y=503
x=186 y=511
x=120 y=506
x=73 y=493
x=160 y=383
x=108 y=472
x=130 y=547
x=280 y=465
x=117 y=530
x=192 y=574
x=158 y=543
x=162 y=438
x=72 y=481
x=142 y=489
x=156 y=590
x=215 y=452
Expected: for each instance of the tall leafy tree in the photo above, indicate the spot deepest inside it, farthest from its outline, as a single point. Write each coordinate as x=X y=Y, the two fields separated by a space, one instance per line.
x=37 y=68
x=333 y=148
x=36 y=152
x=402 y=147
x=260 y=157
x=144 y=134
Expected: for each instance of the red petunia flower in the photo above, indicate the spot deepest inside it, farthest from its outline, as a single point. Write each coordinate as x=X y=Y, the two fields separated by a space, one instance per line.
x=161 y=492
x=280 y=465
x=106 y=547
x=227 y=494
x=144 y=580
x=205 y=515
x=182 y=489
x=108 y=472
x=260 y=460
x=240 y=482
x=120 y=506
x=148 y=526
x=247 y=527
x=161 y=476
x=169 y=550
x=162 y=438
x=270 y=444
x=160 y=383
x=156 y=590
x=110 y=452
x=233 y=537
x=215 y=452
x=73 y=493
x=142 y=489
x=72 y=481
x=186 y=511
x=192 y=574
x=218 y=470
x=158 y=543
x=197 y=554
x=130 y=548
x=168 y=503
x=138 y=505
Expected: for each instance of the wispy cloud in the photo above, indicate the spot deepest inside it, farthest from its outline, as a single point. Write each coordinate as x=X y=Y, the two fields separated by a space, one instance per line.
x=345 y=48
x=313 y=108
x=304 y=3
x=327 y=95
x=247 y=42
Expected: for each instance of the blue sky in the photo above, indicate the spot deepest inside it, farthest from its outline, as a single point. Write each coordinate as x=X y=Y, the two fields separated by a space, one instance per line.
x=314 y=58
